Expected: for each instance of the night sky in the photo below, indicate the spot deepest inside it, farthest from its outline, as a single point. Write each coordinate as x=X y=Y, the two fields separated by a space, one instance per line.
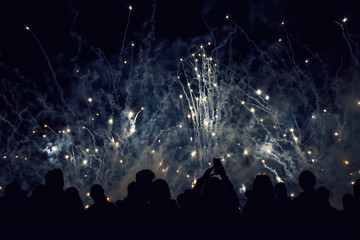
x=83 y=42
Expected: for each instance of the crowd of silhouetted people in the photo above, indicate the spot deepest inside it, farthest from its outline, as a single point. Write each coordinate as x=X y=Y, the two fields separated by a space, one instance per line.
x=209 y=210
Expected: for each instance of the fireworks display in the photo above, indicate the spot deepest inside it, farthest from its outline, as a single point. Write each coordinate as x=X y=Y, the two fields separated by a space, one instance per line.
x=174 y=106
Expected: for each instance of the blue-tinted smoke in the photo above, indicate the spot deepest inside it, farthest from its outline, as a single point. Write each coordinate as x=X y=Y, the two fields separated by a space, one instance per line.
x=173 y=106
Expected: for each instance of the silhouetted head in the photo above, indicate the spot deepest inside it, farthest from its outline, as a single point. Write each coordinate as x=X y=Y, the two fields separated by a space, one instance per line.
x=132 y=189
x=97 y=193
x=307 y=180
x=72 y=192
x=145 y=177
x=14 y=190
x=323 y=193
x=160 y=191
x=349 y=202
x=54 y=179
x=356 y=189
x=262 y=186
x=280 y=190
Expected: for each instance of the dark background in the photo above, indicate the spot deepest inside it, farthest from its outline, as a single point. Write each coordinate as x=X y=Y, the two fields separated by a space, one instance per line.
x=102 y=24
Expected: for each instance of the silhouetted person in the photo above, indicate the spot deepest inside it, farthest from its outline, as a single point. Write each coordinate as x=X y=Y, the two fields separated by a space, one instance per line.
x=74 y=213
x=13 y=212
x=100 y=215
x=349 y=218
x=164 y=210
x=144 y=180
x=48 y=204
x=219 y=203
x=306 y=206
x=327 y=214
x=283 y=211
x=259 y=208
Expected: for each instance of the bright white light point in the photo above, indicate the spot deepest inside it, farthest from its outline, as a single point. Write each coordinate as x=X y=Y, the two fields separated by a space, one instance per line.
x=153 y=151
x=87 y=206
x=59 y=131
x=280 y=39
x=306 y=61
x=181 y=96
x=215 y=85
x=325 y=110
x=191 y=138
x=96 y=150
x=263 y=161
x=111 y=121
x=45 y=126
x=282 y=23
x=66 y=156
x=201 y=46
x=243 y=102
x=285 y=135
x=130 y=115
x=292 y=130
x=312 y=160
x=261 y=120
x=181 y=59
x=121 y=161
x=193 y=153
x=130 y=8
x=252 y=110
x=313 y=117
x=88 y=194
x=189 y=116
x=346 y=162
x=278 y=179
x=258 y=92
x=132 y=44
x=125 y=62
x=336 y=133
x=228 y=155
x=108 y=199
x=309 y=152
x=44 y=135
x=33 y=132
x=177 y=170
x=227 y=16
x=85 y=162
x=27 y=28
x=180 y=126
x=345 y=19
x=296 y=139
x=68 y=130
x=246 y=152
x=213 y=134
x=90 y=99
x=54 y=148
x=188 y=176
x=292 y=195
x=87 y=150
x=195 y=68
x=163 y=170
